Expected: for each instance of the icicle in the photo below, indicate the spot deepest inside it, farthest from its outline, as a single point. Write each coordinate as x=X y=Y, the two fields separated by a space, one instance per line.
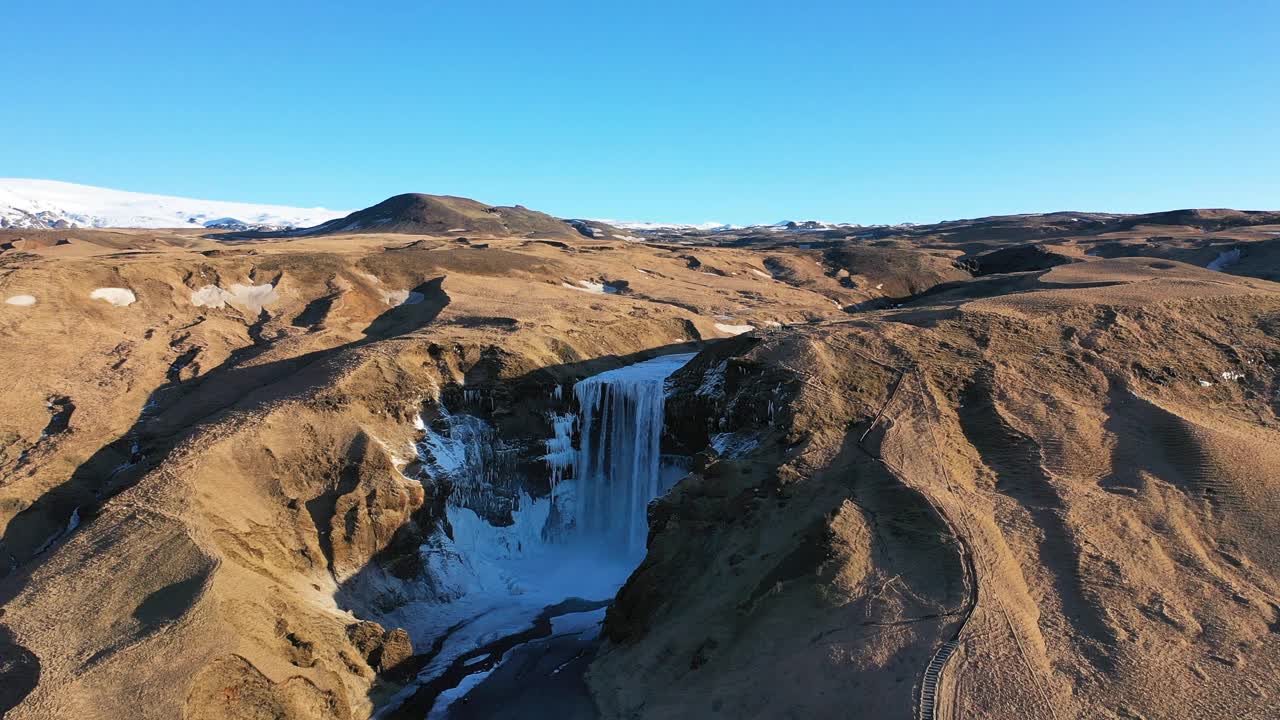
x=465 y=454
x=560 y=455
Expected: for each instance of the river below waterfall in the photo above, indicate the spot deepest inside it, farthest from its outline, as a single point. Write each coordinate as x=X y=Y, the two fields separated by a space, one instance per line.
x=523 y=603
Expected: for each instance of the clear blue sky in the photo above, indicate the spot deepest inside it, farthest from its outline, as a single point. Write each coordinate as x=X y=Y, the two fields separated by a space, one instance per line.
x=682 y=111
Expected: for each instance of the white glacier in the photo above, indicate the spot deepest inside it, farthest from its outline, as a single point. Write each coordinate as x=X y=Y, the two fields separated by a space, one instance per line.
x=736 y=329
x=26 y=203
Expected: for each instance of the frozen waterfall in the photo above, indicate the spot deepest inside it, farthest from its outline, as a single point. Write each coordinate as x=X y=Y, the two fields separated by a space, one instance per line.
x=618 y=466
x=488 y=582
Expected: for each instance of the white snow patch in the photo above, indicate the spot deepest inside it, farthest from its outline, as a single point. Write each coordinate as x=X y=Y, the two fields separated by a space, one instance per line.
x=1232 y=376
x=713 y=380
x=210 y=296
x=120 y=297
x=1225 y=260
x=21 y=300
x=639 y=225
x=762 y=274
x=734 y=329
x=402 y=297
x=1205 y=383
x=591 y=287
x=732 y=445
x=247 y=297
x=253 y=297
x=459 y=455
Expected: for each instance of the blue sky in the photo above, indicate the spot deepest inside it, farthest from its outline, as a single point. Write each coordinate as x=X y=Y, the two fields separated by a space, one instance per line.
x=679 y=111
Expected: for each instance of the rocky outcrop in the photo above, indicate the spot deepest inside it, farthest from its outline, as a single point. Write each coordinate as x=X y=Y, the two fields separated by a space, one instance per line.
x=383 y=650
x=1021 y=258
x=381 y=505
x=231 y=688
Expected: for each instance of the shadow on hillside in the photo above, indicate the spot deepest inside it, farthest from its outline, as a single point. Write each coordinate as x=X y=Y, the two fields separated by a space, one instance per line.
x=176 y=411
x=1015 y=460
x=19 y=671
x=958 y=292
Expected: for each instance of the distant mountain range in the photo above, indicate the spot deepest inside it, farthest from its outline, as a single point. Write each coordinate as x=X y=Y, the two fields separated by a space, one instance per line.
x=49 y=204
x=660 y=226
x=28 y=204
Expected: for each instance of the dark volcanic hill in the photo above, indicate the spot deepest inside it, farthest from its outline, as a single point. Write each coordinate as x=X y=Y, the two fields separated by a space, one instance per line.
x=417 y=213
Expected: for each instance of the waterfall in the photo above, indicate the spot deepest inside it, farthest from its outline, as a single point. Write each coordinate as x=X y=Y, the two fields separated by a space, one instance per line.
x=621 y=417
x=487 y=578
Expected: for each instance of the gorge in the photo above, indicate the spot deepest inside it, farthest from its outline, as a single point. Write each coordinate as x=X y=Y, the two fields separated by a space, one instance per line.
x=564 y=554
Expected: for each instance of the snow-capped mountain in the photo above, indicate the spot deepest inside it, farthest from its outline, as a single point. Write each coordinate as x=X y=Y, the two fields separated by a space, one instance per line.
x=637 y=225
x=811 y=225
x=49 y=204
x=713 y=227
